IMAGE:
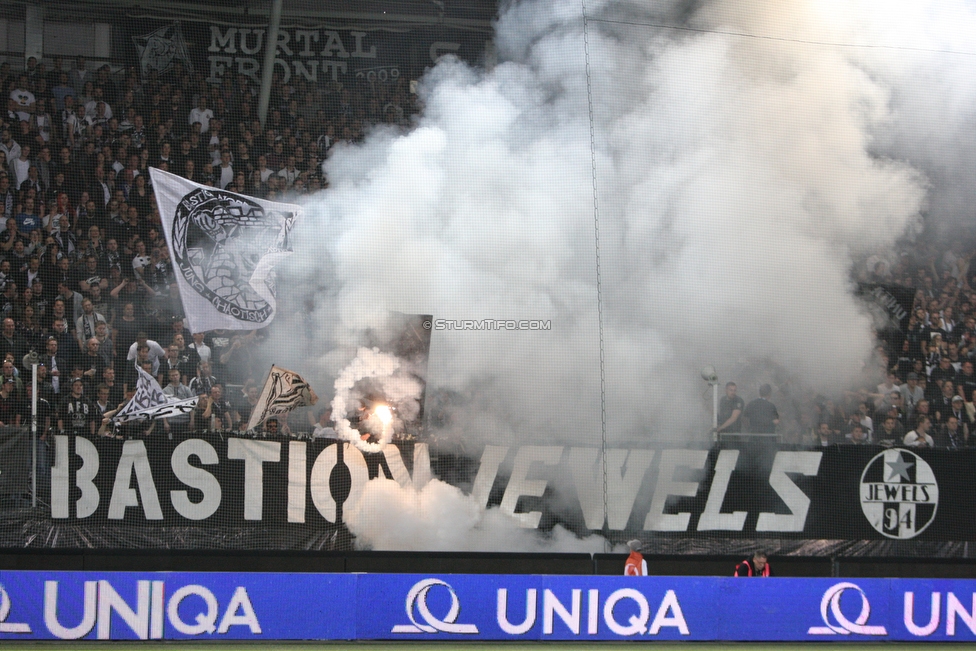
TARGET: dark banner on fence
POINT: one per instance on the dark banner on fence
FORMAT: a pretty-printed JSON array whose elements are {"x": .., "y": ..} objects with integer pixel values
[
  {"x": 15, "y": 460},
  {"x": 211, "y": 491}
]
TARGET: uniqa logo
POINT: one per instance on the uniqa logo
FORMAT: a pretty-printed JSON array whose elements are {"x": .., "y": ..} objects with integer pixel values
[
  {"x": 417, "y": 601},
  {"x": 844, "y": 626},
  {"x": 146, "y": 617},
  {"x": 5, "y": 626}
]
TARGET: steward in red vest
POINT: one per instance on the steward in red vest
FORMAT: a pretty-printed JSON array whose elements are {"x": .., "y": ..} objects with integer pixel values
[
  {"x": 636, "y": 565},
  {"x": 757, "y": 566}
]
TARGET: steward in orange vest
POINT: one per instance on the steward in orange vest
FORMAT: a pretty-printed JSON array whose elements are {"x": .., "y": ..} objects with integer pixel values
[
  {"x": 636, "y": 565},
  {"x": 758, "y": 566}
]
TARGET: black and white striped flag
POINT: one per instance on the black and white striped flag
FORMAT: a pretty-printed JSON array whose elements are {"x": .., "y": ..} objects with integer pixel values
[
  {"x": 283, "y": 391},
  {"x": 149, "y": 402}
]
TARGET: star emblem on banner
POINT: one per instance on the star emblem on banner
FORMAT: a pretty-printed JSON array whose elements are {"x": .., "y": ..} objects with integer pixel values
[{"x": 899, "y": 469}]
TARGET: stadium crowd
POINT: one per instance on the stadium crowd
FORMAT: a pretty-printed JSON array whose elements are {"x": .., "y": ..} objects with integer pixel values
[
  {"x": 86, "y": 279},
  {"x": 918, "y": 388}
]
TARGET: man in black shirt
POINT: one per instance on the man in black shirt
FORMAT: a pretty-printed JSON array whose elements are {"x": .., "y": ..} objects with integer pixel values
[
  {"x": 858, "y": 435},
  {"x": 891, "y": 432},
  {"x": 11, "y": 341},
  {"x": 7, "y": 197},
  {"x": 966, "y": 380},
  {"x": 944, "y": 371},
  {"x": 954, "y": 435},
  {"x": 761, "y": 413},
  {"x": 729, "y": 411},
  {"x": 92, "y": 363},
  {"x": 45, "y": 388},
  {"x": 115, "y": 394},
  {"x": 942, "y": 404},
  {"x": 9, "y": 404},
  {"x": 215, "y": 406},
  {"x": 76, "y": 415}
]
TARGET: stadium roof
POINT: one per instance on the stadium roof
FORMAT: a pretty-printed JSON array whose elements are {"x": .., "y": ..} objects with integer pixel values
[{"x": 476, "y": 14}]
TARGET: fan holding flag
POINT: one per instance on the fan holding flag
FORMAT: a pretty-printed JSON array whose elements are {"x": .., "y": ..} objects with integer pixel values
[
  {"x": 283, "y": 392},
  {"x": 150, "y": 402}
]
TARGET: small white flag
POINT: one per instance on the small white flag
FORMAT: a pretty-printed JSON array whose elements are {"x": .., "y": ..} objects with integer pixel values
[
  {"x": 224, "y": 248},
  {"x": 283, "y": 391},
  {"x": 149, "y": 402}
]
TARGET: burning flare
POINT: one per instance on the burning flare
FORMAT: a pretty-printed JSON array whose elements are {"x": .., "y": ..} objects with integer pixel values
[{"x": 385, "y": 414}]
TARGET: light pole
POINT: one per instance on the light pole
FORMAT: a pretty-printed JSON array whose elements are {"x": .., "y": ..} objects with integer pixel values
[
  {"x": 267, "y": 71},
  {"x": 710, "y": 375},
  {"x": 32, "y": 359}
]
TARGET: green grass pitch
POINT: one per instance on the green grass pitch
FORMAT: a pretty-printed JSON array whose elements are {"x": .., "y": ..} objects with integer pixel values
[{"x": 472, "y": 646}]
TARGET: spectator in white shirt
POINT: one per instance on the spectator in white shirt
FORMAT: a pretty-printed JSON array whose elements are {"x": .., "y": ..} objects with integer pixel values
[
  {"x": 20, "y": 166},
  {"x": 920, "y": 437},
  {"x": 156, "y": 351},
  {"x": 21, "y": 100},
  {"x": 226, "y": 175},
  {"x": 289, "y": 172},
  {"x": 203, "y": 350},
  {"x": 201, "y": 114}
]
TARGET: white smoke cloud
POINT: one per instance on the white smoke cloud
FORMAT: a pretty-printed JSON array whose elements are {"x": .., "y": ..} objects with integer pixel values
[
  {"x": 738, "y": 179},
  {"x": 439, "y": 517}
]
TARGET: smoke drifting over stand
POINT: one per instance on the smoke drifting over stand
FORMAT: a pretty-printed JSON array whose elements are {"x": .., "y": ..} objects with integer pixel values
[{"x": 747, "y": 155}]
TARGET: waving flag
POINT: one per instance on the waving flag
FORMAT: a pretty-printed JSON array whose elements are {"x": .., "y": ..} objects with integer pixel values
[
  {"x": 224, "y": 248},
  {"x": 149, "y": 402},
  {"x": 283, "y": 391},
  {"x": 895, "y": 302},
  {"x": 161, "y": 49}
]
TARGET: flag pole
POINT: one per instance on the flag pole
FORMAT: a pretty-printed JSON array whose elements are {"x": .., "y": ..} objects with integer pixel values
[{"x": 34, "y": 431}]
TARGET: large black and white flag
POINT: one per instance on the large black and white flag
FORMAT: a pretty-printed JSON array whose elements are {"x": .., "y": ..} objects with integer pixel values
[
  {"x": 892, "y": 301},
  {"x": 283, "y": 391},
  {"x": 149, "y": 402},
  {"x": 160, "y": 49},
  {"x": 224, "y": 248}
]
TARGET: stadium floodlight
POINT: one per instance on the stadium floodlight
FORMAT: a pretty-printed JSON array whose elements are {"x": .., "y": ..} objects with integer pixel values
[{"x": 710, "y": 375}]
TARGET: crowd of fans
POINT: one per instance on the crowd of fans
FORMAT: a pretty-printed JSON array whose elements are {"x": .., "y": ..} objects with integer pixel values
[
  {"x": 86, "y": 279},
  {"x": 917, "y": 390}
]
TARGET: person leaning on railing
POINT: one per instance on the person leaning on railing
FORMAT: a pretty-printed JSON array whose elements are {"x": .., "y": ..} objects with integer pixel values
[{"x": 757, "y": 566}]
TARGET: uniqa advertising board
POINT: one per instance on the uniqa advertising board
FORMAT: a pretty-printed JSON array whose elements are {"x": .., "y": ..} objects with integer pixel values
[{"x": 221, "y": 606}]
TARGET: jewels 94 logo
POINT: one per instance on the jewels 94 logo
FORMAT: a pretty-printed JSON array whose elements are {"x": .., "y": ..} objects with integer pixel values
[
  {"x": 899, "y": 494},
  {"x": 417, "y": 605},
  {"x": 836, "y": 622}
]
